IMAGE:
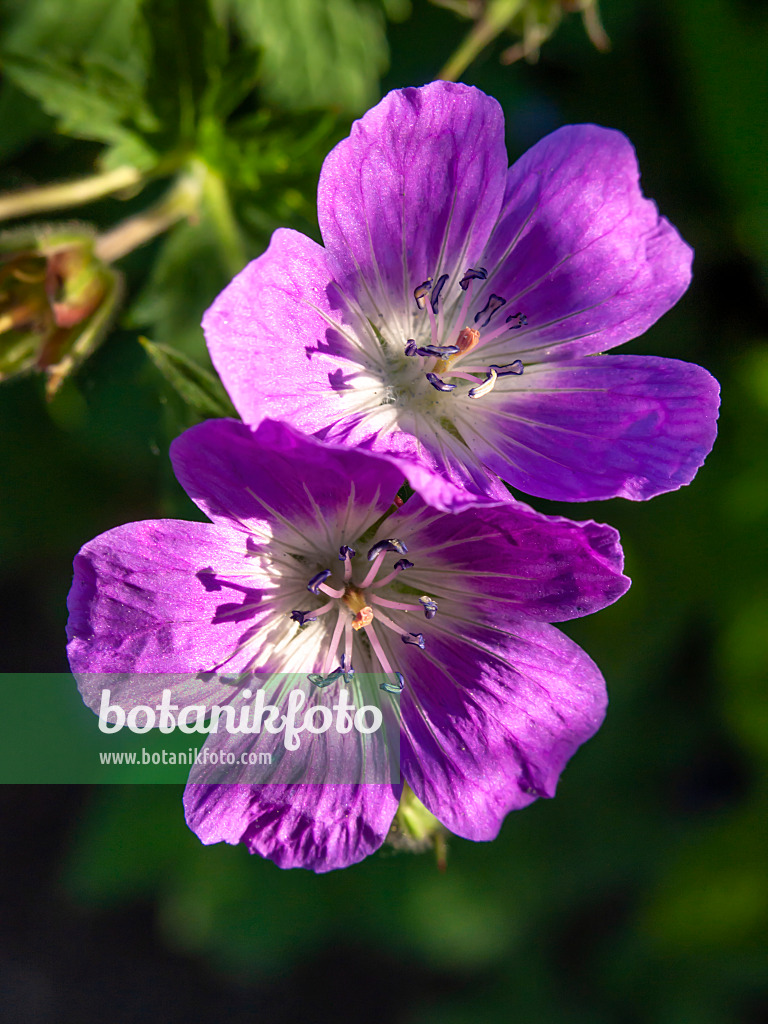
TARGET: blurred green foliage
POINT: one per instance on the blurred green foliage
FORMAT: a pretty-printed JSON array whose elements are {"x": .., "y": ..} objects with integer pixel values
[{"x": 640, "y": 894}]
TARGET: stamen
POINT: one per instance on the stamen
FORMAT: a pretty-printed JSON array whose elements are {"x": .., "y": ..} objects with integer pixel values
[
  {"x": 378, "y": 650},
  {"x": 401, "y": 606},
  {"x": 363, "y": 618},
  {"x": 303, "y": 618},
  {"x": 430, "y": 606},
  {"x": 394, "y": 687},
  {"x": 338, "y": 629},
  {"x": 441, "y": 351},
  {"x": 348, "y": 641},
  {"x": 485, "y": 387},
  {"x": 391, "y": 544},
  {"x": 410, "y": 348},
  {"x": 346, "y": 667},
  {"x": 494, "y": 303},
  {"x": 436, "y": 291},
  {"x": 439, "y": 385},
  {"x": 521, "y": 318},
  {"x": 320, "y": 680},
  {"x": 421, "y": 292},
  {"x": 314, "y": 584},
  {"x": 345, "y": 551},
  {"x": 417, "y": 639},
  {"x": 403, "y": 563},
  {"x": 473, "y": 275},
  {"x": 511, "y": 369}
]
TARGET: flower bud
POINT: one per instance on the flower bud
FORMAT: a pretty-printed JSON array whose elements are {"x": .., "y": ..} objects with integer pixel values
[{"x": 56, "y": 298}]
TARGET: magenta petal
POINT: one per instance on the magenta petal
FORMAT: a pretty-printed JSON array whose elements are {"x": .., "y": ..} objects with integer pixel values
[
  {"x": 415, "y": 189},
  {"x": 511, "y": 560},
  {"x": 163, "y": 596},
  {"x": 278, "y": 336},
  {"x": 579, "y": 248},
  {"x": 306, "y": 826},
  {"x": 600, "y": 427},
  {"x": 246, "y": 478},
  {"x": 491, "y": 717}
]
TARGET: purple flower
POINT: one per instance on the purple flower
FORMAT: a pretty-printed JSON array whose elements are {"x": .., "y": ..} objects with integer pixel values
[
  {"x": 301, "y": 570},
  {"x": 453, "y": 318}
]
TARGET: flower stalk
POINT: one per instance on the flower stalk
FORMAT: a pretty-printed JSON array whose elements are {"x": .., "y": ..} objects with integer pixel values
[{"x": 27, "y": 202}]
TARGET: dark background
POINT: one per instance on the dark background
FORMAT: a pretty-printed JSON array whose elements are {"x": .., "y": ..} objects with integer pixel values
[{"x": 640, "y": 894}]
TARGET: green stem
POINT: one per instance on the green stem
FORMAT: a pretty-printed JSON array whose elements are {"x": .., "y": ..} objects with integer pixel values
[
  {"x": 183, "y": 200},
  {"x": 27, "y": 201},
  {"x": 219, "y": 209},
  {"x": 494, "y": 20}
]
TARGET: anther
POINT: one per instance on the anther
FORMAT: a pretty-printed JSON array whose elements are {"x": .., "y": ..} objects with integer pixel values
[
  {"x": 417, "y": 639},
  {"x": 430, "y": 606},
  {"x": 410, "y": 347},
  {"x": 436, "y": 291},
  {"x": 441, "y": 351},
  {"x": 421, "y": 292},
  {"x": 472, "y": 275},
  {"x": 314, "y": 584},
  {"x": 394, "y": 687},
  {"x": 511, "y": 369},
  {"x": 346, "y": 668},
  {"x": 495, "y": 302},
  {"x": 303, "y": 618},
  {"x": 346, "y": 551},
  {"x": 439, "y": 385},
  {"x": 403, "y": 563},
  {"x": 392, "y": 544},
  {"x": 522, "y": 321},
  {"x": 485, "y": 387},
  {"x": 320, "y": 680}
]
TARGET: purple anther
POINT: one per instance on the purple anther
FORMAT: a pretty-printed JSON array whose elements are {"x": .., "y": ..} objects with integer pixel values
[
  {"x": 509, "y": 370},
  {"x": 422, "y": 291},
  {"x": 410, "y": 347},
  {"x": 522, "y": 321},
  {"x": 436, "y": 291},
  {"x": 472, "y": 275},
  {"x": 495, "y": 302},
  {"x": 303, "y": 617},
  {"x": 441, "y": 351},
  {"x": 430, "y": 606},
  {"x": 403, "y": 563},
  {"x": 439, "y": 385},
  {"x": 314, "y": 584},
  {"x": 392, "y": 544},
  {"x": 346, "y": 551},
  {"x": 417, "y": 639},
  {"x": 346, "y": 669},
  {"x": 394, "y": 687}
]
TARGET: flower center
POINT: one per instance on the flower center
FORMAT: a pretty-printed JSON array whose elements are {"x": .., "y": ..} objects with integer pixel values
[
  {"x": 359, "y": 603},
  {"x": 438, "y": 361}
]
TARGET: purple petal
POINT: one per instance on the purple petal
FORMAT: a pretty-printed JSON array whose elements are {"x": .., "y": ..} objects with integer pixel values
[
  {"x": 491, "y": 718},
  {"x": 280, "y": 336},
  {"x": 599, "y": 427},
  {"x": 591, "y": 263},
  {"x": 223, "y": 466},
  {"x": 307, "y": 826},
  {"x": 415, "y": 189},
  {"x": 511, "y": 560},
  {"x": 163, "y": 596}
]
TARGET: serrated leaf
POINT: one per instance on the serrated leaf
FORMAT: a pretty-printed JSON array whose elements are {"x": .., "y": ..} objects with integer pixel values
[
  {"x": 316, "y": 55},
  {"x": 200, "y": 390}
]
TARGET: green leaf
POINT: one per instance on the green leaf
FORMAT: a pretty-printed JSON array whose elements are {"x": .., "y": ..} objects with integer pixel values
[
  {"x": 89, "y": 71},
  {"x": 316, "y": 55},
  {"x": 200, "y": 390}
]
